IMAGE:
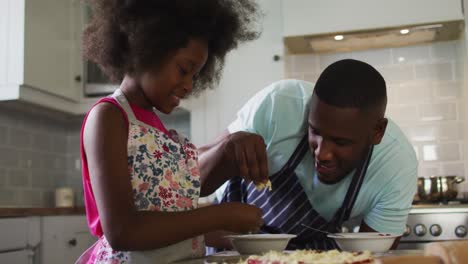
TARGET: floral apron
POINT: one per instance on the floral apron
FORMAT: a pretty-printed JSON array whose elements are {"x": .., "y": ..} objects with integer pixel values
[{"x": 165, "y": 177}]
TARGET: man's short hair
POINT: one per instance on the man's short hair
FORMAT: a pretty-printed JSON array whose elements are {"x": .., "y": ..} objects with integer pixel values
[{"x": 351, "y": 83}]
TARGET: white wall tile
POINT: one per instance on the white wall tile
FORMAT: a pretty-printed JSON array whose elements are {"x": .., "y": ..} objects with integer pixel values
[
  {"x": 444, "y": 50},
  {"x": 435, "y": 72},
  {"x": 428, "y": 170},
  {"x": 20, "y": 138},
  {"x": 392, "y": 94},
  {"x": 439, "y": 132},
  {"x": 311, "y": 77},
  {"x": 397, "y": 73},
  {"x": 421, "y": 133},
  {"x": 403, "y": 113},
  {"x": 457, "y": 169},
  {"x": 441, "y": 152},
  {"x": 411, "y": 54},
  {"x": 305, "y": 63},
  {"x": 416, "y": 151},
  {"x": 450, "y": 131},
  {"x": 294, "y": 75},
  {"x": 458, "y": 70},
  {"x": 375, "y": 57},
  {"x": 448, "y": 90},
  {"x": 438, "y": 112},
  {"x": 424, "y": 97},
  {"x": 327, "y": 59},
  {"x": 288, "y": 63},
  {"x": 9, "y": 157},
  {"x": 414, "y": 92}
]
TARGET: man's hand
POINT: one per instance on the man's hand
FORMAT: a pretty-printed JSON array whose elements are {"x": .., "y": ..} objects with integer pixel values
[
  {"x": 248, "y": 152},
  {"x": 230, "y": 155}
]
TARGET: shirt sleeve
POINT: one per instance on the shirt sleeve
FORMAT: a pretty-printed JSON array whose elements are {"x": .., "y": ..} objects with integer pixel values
[
  {"x": 256, "y": 116},
  {"x": 390, "y": 213}
]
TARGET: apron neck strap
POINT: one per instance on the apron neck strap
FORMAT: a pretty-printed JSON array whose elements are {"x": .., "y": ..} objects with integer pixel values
[
  {"x": 297, "y": 156},
  {"x": 344, "y": 212}
]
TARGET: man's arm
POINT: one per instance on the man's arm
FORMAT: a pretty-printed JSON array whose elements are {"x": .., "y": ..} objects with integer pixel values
[
  {"x": 365, "y": 228},
  {"x": 238, "y": 154}
]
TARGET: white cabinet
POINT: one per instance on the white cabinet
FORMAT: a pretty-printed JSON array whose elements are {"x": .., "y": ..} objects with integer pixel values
[
  {"x": 16, "y": 257},
  {"x": 19, "y": 239},
  {"x": 40, "y": 58},
  {"x": 248, "y": 69},
  {"x": 64, "y": 238},
  {"x": 317, "y": 17}
]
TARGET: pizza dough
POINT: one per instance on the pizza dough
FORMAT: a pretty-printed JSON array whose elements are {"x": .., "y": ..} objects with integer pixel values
[{"x": 311, "y": 256}]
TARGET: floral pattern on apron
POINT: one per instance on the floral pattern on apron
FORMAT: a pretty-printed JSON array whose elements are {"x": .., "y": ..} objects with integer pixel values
[{"x": 165, "y": 177}]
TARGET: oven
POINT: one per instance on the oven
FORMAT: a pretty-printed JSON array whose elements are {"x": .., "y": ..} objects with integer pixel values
[{"x": 434, "y": 222}]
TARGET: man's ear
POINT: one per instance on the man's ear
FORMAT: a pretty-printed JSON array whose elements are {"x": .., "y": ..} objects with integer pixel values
[{"x": 379, "y": 131}]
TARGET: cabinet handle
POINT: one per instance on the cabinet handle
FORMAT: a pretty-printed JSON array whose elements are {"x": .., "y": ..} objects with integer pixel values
[
  {"x": 78, "y": 78},
  {"x": 276, "y": 57},
  {"x": 72, "y": 242}
]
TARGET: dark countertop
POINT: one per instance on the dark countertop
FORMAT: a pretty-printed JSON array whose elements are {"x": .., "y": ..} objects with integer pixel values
[{"x": 48, "y": 211}]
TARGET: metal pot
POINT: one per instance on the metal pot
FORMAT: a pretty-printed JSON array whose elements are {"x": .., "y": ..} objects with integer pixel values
[{"x": 438, "y": 188}]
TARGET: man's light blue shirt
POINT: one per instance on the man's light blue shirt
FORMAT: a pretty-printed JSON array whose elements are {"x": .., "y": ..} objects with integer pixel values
[{"x": 279, "y": 114}]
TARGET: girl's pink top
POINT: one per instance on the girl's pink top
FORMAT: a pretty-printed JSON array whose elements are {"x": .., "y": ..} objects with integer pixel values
[{"x": 146, "y": 116}]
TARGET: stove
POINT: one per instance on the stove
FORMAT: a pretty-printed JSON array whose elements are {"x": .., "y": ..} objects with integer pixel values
[{"x": 435, "y": 222}]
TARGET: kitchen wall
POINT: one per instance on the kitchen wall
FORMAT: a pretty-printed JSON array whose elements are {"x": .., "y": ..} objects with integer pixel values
[
  {"x": 36, "y": 155},
  {"x": 424, "y": 97},
  {"x": 39, "y": 151}
]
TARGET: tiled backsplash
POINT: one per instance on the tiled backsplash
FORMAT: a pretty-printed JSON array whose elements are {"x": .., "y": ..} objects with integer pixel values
[
  {"x": 35, "y": 156},
  {"x": 424, "y": 97},
  {"x": 40, "y": 151}
]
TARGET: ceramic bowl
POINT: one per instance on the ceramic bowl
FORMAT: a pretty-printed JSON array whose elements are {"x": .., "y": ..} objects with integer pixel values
[
  {"x": 254, "y": 244},
  {"x": 374, "y": 242}
]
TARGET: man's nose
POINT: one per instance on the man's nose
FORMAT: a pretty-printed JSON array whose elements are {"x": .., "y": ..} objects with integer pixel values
[{"x": 323, "y": 151}]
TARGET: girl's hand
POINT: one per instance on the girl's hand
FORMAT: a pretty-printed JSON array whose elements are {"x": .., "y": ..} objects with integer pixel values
[
  {"x": 241, "y": 218},
  {"x": 248, "y": 152}
]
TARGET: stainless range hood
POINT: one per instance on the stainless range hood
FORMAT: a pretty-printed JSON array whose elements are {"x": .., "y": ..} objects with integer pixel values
[{"x": 371, "y": 39}]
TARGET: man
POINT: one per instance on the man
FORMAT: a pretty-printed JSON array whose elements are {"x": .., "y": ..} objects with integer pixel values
[{"x": 329, "y": 152}]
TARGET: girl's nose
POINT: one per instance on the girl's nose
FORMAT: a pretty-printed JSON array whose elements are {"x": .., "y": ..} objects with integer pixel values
[{"x": 188, "y": 86}]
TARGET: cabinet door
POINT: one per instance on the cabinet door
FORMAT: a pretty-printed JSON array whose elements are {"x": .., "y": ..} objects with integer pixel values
[
  {"x": 65, "y": 238},
  {"x": 248, "y": 69},
  {"x": 50, "y": 46},
  {"x": 77, "y": 243},
  {"x": 16, "y": 257},
  {"x": 14, "y": 235}
]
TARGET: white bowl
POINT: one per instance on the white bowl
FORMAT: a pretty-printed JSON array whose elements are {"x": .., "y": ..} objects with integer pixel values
[
  {"x": 374, "y": 242},
  {"x": 259, "y": 243}
]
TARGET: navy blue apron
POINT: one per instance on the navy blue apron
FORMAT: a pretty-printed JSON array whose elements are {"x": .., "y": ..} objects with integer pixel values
[{"x": 287, "y": 207}]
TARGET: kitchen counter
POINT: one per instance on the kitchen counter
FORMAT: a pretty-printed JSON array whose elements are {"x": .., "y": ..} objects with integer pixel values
[
  {"x": 234, "y": 257},
  {"x": 49, "y": 211}
]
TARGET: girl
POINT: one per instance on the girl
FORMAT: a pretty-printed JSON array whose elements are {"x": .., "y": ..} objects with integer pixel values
[{"x": 141, "y": 181}]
